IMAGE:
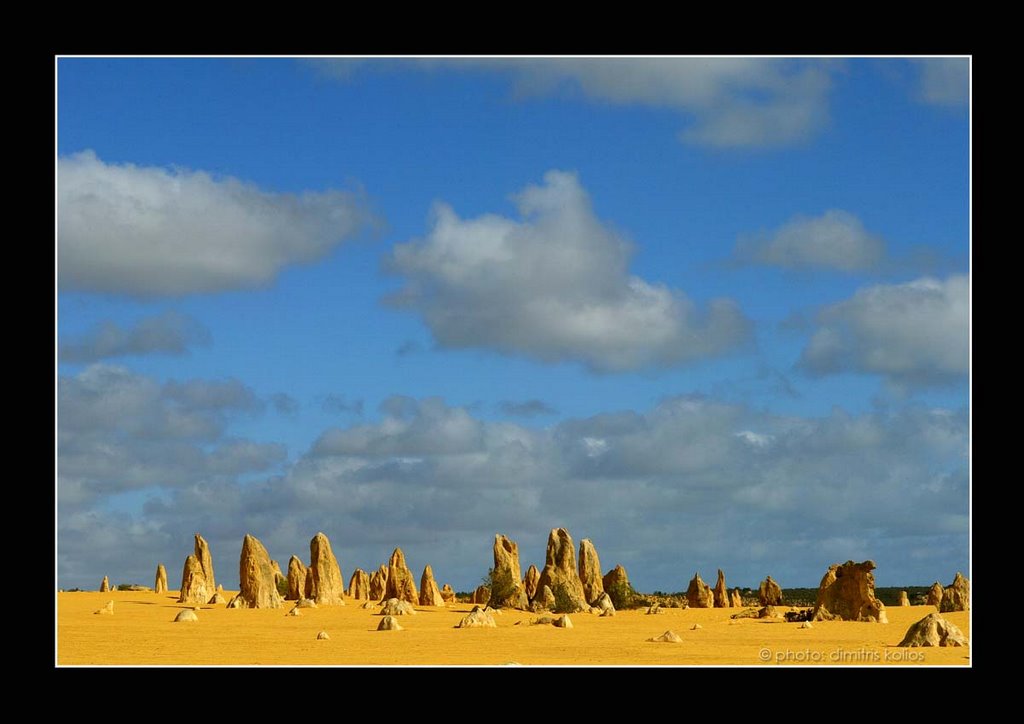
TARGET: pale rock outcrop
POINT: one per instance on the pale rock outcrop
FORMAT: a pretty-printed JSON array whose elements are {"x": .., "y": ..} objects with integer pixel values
[
  {"x": 935, "y": 595},
  {"x": 848, "y": 594},
  {"x": 328, "y": 584},
  {"x": 608, "y": 612},
  {"x": 294, "y": 612},
  {"x": 563, "y": 621},
  {"x": 806, "y": 624},
  {"x": 297, "y": 573},
  {"x": 379, "y": 583},
  {"x": 769, "y": 593},
  {"x": 654, "y": 608},
  {"x": 104, "y": 585},
  {"x": 107, "y": 610},
  {"x": 530, "y": 582},
  {"x": 507, "y": 574},
  {"x": 323, "y": 636},
  {"x": 257, "y": 584},
  {"x": 186, "y": 615},
  {"x": 482, "y": 594},
  {"x": 160, "y": 585},
  {"x": 202, "y": 552},
  {"x": 478, "y": 618},
  {"x": 590, "y": 571},
  {"x": 429, "y": 594},
  {"x": 368, "y": 605},
  {"x": 447, "y": 593},
  {"x": 933, "y": 630},
  {"x": 669, "y": 637},
  {"x": 735, "y": 600},
  {"x": 957, "y": 595},
  {"x": 359, "y": 585},
  {"x": 400, "y": 583},
  {"x": 193, "y": 582},
  {"x": 720, "y": 594},
  {"x": 279, "y": 577},
  {"x": 904, "y": 599},
  {"x": 604, "y": 603},
  {"x": 389, "y": 623},
  {"x": 217, "y": 598},
  {"x": 698, "y": 594},
  {"x": 560, "y": 573},
  {"x": 397, "y": 607},
  {"x": 696, "y": 627},
  {"x": 615, "y": 578},
  {"x": 545, "y": 599},
  {"x": 305, "y": 603},
  {"x": 236, "y": 601}
]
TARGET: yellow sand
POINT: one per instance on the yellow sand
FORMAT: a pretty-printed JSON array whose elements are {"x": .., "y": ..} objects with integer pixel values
[{"x": 141, "y": 632}]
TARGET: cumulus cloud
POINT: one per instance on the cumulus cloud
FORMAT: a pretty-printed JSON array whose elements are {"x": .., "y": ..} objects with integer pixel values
[
  {"x": 692, "y": 483},
  {"x": 526, "y": 408},
  {"x": 169, "y": 333},
  {"x": 151, "y": 231},
  {"x": 913, "y": 334},
  {"x": 835, "y": 240},
  {"x": 728, "y": 102},
  {"x": 945, "y": 81},
  {"x": 554, "y": 286}
]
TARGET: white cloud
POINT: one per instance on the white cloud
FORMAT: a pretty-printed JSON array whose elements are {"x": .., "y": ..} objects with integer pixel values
[
  {"x": 151, "y": 231},
  {"x": 729, "y": 102},
  {"x": 945, "y": 81},
  {"x": 835, "y": 240},
  {"x": 554, "y": 286},
  {"x": 913, "y": 334}
]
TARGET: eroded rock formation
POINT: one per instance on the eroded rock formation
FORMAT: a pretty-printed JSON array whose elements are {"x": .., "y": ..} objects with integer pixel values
[
  {"x": 590, "y": 571},
  {"x": 257, "y": 581},
  {"x": 847, "y": 593},
  {"x": 328, "y": 586},
  {"x": 560, "y": 573},
  {"x": 429, "y": 593},
  {"x": 933, "y": 630},
  {"x": 698, "y": 594}
]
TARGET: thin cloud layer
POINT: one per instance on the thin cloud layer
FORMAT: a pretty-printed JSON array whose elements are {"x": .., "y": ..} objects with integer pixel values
[
  {"x": 152, "y": 231},
  {"x": 945, "y": 81},
  {"x": 728, "y": 102},
  {"x": 913, "y": 334},
  {"x": 554, "y": 286},
  {"x": 692, "y": 483},
  {"x": 119, "y": 431},
  {"x": 526, "y": 408},
  {"x": 835, "y": 240},
  {"x": 170, "y": 333}
]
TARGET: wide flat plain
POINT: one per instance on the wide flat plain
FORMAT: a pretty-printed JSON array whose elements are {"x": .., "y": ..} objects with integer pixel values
[{"x": 141, "y": 632}]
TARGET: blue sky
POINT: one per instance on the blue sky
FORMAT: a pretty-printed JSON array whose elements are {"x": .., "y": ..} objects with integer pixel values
[{"x": 705, "y": 312}]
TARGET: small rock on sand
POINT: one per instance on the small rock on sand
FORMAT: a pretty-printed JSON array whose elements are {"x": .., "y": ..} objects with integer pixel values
[
  {"x": 669, "y": 637},
  {"x": 186, "y": 615}
]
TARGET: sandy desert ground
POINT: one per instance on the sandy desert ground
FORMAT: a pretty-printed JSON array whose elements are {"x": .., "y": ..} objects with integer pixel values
[{"x": 142, "y": 632}]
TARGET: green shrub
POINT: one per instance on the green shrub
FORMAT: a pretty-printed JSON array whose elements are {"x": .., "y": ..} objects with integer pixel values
[
  {"x": 282, "y": 585},
  {"x": 564, "y": 602},
  {"x": 623, "y": 595},
  {"x": 502, "y": 586}
]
